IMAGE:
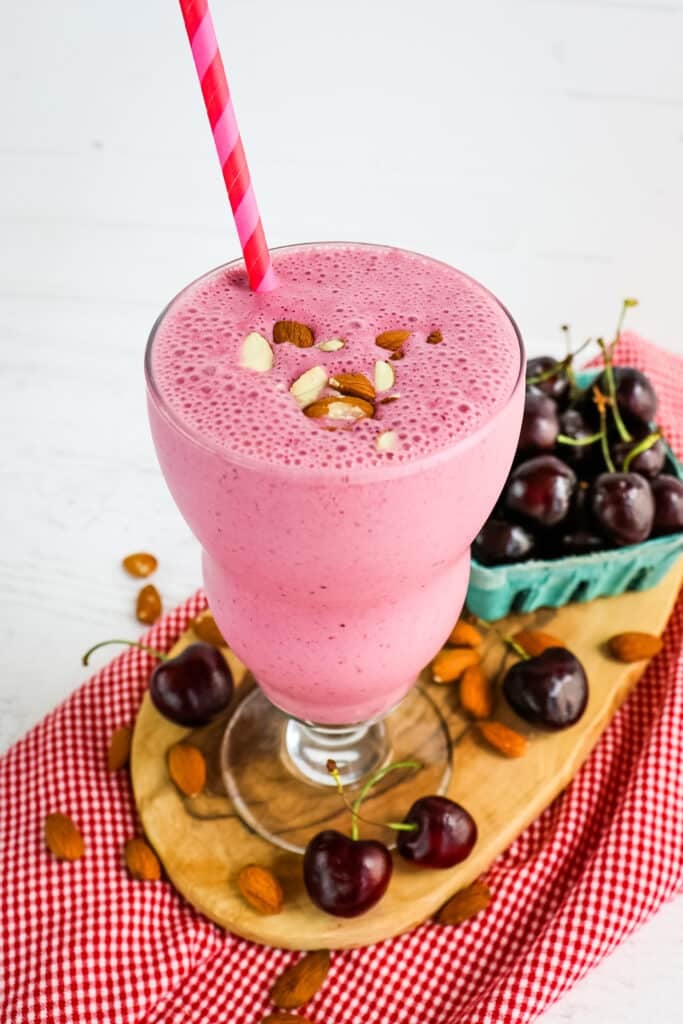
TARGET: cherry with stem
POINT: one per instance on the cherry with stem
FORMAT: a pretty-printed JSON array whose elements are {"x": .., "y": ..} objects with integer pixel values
[{"x": 356, "y": 816}]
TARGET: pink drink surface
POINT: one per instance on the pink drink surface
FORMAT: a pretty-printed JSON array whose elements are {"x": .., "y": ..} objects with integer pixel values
[{"x": 335, "y": 570}]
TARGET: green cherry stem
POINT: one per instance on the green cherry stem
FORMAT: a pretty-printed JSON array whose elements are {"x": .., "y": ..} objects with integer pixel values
[
  {"x": 356, "y": 816},
  {"x": 643, "y": 446},
  {"x": 578, "y": 443},
  {"x": 612, "y": 392},
  {"x": 514, "y": 646},
  {"x": 131, "y": 643},
  {"x": 625, "y": 306},
  {"x": 602, "y": 402}
]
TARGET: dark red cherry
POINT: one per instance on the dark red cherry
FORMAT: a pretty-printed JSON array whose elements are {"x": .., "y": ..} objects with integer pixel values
[
  {"x": 574, "y": 426},
  {"x": 193, "y": 687},
  {"x": 540, "y": 425},
  {"x": 540, "y": 490},
  {"x": 556, "y": 386},
  {"x": 550, "y": 690},
  {"x": 343, "y": 876},
  {"x": 623, "y": 506},
  {"x": 648, "y": 463},
  {"x": 500, "y": 542},
  {"x": 667, "y": 492},
  {"x": 635, "y": 394},
  {"x": 445, "y": 833}
]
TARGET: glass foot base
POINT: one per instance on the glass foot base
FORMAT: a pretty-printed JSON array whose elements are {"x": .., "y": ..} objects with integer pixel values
[{"x": 274, "y": 769}]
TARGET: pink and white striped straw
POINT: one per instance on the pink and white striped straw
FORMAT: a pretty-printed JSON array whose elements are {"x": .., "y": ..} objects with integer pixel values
[{"x": 209, "y": 65}]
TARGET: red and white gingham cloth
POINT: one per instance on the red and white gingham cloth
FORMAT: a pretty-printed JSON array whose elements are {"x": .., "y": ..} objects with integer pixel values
[{"x": 82, "y": 942}]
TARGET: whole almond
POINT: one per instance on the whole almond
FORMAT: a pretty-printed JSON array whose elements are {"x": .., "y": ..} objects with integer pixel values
[
  {"x": 141, "y": 861},
  {"x": 340, "y": 407},
  {"x": 261, "y": 889},
  {"x": 392, "y": 340},
  {"x": 464, "y": 634},
  {"x": 355, "y": 384},
  {"x": 148, "y": 605},
  {"x": 506, "y": 741},
  {"x": 187, "y": 768},
  {"x": 300, "y": 982},
  {"x": 62, "y": 838},
  {"x": 119, "y": 748},
  {"x": 476, "y": 697},
  {"x": 449, "y": 665},
  {"x": 434, "y": 337},
  {"x": 285, "y": 1018},
  {"x": 207, "y": 630},
  {"x": 534, "y": 641},
  {"x": 633, "y": 646},
  {"x": 140, "y": 564},
  {"x": 465, "y": 904},
  {"x": 293, "y": 332}
]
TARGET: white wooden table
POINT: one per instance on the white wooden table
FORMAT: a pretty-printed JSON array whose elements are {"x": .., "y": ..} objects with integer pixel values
[{"x": 538, "y": 145}]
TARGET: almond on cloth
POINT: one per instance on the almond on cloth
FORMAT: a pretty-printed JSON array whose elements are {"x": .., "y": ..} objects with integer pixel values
[
  {"x": 293, "y": 332},
  {"x": 148, "y": 605},
  {"x": 392, "y": 340},
  {"x": 62, "y": 838},
  {"x": 449, "y": 665},
  {"x": 465, "y": 904},
  {"x": 187, "y": 768},
  {"x": 141, "y": 861},
  {"x": 629, "y": 647},
  {"x": 119, "y": 748},
  {"x": 506, "y": 741},
  {"x": 476, "y": 696},
  {"x": 261, "y": 889},
  {"x": 285, "y": 1018},
  {"x": 464, "y": 634},
  {"x": 300, "y": 982},
  {"x": 140, "y": 564},
  {"x": 535, "y": 641},
  {"x": 206, "y": 628}
]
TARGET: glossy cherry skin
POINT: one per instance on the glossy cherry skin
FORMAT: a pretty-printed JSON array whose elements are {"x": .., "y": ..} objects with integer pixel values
[
  {"x": 623, "y": 506},
  {"x": 556, "y": 386},
  {"x": 540, "y": 490},
  {"x": 649, "y": 463},
  {"x": 193, "y": 687},
  {"x": 573, "y": 424},
  {"x": 343, "y": 876},
  {"x": 540, "y": 425},
  {"x": 635, "y": 394},
  {"x": 499, "y": 542},
  {"x": 667, "y": 492},
  {"x": 550, "y": 690},
  {"x": 445, "y": 833}
]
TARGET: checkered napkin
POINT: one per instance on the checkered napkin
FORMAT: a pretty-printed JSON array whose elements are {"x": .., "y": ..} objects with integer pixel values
[{"x": 82, "y": 942}]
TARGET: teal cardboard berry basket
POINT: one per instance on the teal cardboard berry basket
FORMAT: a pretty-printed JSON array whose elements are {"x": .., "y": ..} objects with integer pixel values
[{"x": 495, "y": 591}]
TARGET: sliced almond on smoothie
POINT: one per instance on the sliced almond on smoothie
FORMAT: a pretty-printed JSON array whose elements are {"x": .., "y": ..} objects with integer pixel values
[
  {"x": 309, "y": 386},
  {"x": 357, "y": 385},
  {"x": 386, "y": 441},
  {"x": 342, "y": 407},
  {"x": 293, "y": 332},
  {"x": 256, "y": 353},
  {"x": 333, "y": 345},
  {"x": 385, "y": 376},
  {"x": 434, "y": 337},
  {"x": 392, "y": 340}
]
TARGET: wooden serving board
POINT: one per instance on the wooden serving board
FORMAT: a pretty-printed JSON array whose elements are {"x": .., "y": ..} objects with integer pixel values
[{"x": 203, "y": 844}]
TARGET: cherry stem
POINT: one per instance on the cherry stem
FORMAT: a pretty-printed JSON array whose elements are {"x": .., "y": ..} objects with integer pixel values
[
  {"x": 611, "y": 387},
  {"x": 131, "y": 643},
  {"x": 578, "y": 442},
  {"x": 643, "y": 446},
  {"x": 625, "y": 306},
  {"x": 514, "y": 646},
  {"x": 373, "y": 780},
  {"x": 602, "y": 402}
]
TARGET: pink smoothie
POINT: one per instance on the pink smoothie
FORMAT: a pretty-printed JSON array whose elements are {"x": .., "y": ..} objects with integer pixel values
[{"x": 336, "y": 570}]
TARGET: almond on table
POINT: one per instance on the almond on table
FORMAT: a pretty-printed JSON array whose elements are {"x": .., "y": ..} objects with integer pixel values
[
  {"x": 450, "y": 663},
  {"x": 464, "y": 634},
  {"x": 148, "y": 605},
  {"x": 506, "y": 741},
  {"x": 140, "y": 564},
  {"x": 187, "y": 768},
  {"x": 206, "y": 628},
  {"x": 476, "y": 695},
  {"x": 535, "y": 641},
  {"x": 261, "y": 889},
  {"x": 465, "y": 904},
  {"x": 141, "y": 861},
  {"x": 630, "y": 647}
]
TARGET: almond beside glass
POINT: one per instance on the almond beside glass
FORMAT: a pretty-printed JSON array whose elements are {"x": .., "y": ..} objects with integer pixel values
[
  {"x": 476, "y": 696},
  {"x": 141, "y": 861},
  {"x": 535, "y": 641},
  {"x": 356, "y": 385},
  {"x": 294, "y": 332},
  {"x": 148, "y": 605},
  {"x": 187, "y": 768},
  {"x": 449, "y": 665},
  {"x": 309, "y": 386},
  {"x": 633, "y": 646},
  {"x": 119, "y": 748},
  {"x": 464, "y": 634},
  {"x": 140, "y": 564},
  {"x": 206, "y": 628},
  {"x": 256, "y": 353},
  {"x": 62, "y": 838},
  {"x": 300, "y": 982},
  {"x": 506, "y": 741},
  {"x": 261, "y": 889}
]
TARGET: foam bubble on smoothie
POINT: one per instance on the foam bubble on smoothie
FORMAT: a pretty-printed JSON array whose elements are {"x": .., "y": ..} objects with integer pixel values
[{"x": 446, "y": 390}]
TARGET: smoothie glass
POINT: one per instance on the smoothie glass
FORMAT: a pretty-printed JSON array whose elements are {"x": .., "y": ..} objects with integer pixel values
[{"x": 336, "y": 586}]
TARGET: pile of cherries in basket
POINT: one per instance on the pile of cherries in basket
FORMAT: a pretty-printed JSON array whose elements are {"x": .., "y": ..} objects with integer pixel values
[{"x": 591, "y": 469}]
